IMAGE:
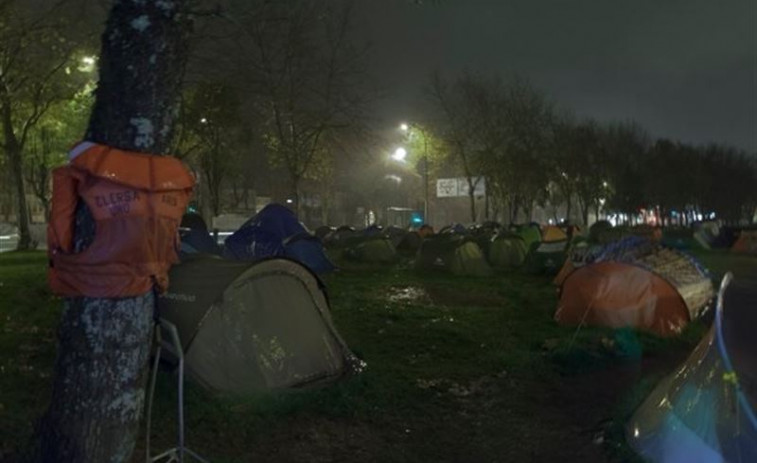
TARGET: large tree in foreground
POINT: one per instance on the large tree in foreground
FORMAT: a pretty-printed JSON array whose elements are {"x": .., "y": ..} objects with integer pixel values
[{"x": 100, "y": 372}]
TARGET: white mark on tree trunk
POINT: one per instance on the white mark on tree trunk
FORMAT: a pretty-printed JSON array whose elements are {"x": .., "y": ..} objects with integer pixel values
[
  {"x": 144, "y": 138},
  {"x": 140, "y": 23}
]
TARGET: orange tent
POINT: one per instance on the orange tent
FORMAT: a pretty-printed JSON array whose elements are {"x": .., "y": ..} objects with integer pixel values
[
  {"x": 616, "y": 295},
  {"x": 648, "y": 288},
  {"x": 746, "y": 243},
  {"x": 551, "y": 233}
]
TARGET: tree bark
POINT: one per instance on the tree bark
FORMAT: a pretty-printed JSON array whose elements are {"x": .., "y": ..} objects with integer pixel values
[
  {"x": 22, "y": 213},
  {"x": 13, "y": 149},
  {"x": 100, "y": 371}
]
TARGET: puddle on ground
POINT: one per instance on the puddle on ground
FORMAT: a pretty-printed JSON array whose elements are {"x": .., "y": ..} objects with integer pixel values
[
  {"x": 441, "y": 296},
  {"x": 408, "y": 294}
]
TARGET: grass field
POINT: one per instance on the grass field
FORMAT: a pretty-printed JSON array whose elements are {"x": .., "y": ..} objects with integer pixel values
[{"x": 459, "y": 370}]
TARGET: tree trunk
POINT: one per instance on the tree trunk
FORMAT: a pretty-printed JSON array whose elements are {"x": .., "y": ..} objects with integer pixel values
[
  {"x": 596, "y": 209},
  {"x": 22, "y": 208},
  {"x": 296, "y": 200},
  {"x": 472, "y": 197},
  {"x": 13, "y": 150},
  {"x": 100, "y": 371}
]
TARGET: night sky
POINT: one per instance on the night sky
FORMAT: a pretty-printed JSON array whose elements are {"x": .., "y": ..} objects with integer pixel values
[{"x": 684, "y": 69}]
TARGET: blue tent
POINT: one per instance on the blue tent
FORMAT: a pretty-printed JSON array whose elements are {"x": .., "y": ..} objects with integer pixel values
[
  {"x": 195, "y": 237},
  {"x": 275, "y": 232},
  {"x": 307, "y": 249},
  {"x": 195, "y": 241}
]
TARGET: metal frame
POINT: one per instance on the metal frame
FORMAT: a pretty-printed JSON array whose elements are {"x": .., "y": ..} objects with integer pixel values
[{"x": 173, "y": 346}]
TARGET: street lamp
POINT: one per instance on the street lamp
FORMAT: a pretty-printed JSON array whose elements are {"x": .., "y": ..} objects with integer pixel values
[
  {"x": 405, "y": 127},
  {"x": 87, "y": 64},
  {"x": 399, "y": 154}
]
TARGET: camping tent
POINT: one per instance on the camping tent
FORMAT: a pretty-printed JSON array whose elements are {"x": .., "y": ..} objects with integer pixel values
[
  {"x": 684, "y": 238},
  {"x": 275, "y": 231},
  {"x": 395, "y": 234},
  {"x": 452, "y": 253},
  {"x": 340, "y": 237},
  {"x": 483, "y": 234},
  {"x": 323, "y": 231},
  {"x": 635, "y": 284},
  {"x": 507, "y": 250},
  {"x": 410, "y": 243},
  {"x": 552, "y": 233},
  {"x": 370, "y": 249},
  {"x": 457, "y": 228},
  {"x": 531, "y": 235},
  {"x": 705, "y": 411},
  {"x": 194, "y": 236},
  {"x": 253, "y": 326},
  {"x": 597, "y": 229},
  {"x": 707, "y": 233},
  {"x": 549, "y": 255},
  {"x": 308, "y": 250},
  {"x": 425, "y": 230},
  {"x": 746, "y": 242}
]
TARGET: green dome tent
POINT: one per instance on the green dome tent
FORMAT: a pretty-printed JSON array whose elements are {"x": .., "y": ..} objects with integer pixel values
[
  {"x": 249, "y": 327},
  {"x": 531, "y": 235},
  {"x": 370, "y": 249},
  {"x": 452, "y": 253},
  {"x": 507, "y": 251}
]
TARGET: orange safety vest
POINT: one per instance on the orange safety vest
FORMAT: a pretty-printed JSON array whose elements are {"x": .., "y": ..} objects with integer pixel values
[{"x": 137, "y": 201}]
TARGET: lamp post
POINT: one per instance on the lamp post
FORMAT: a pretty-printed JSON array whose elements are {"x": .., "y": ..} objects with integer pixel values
[{"x": 404, "y": 127}]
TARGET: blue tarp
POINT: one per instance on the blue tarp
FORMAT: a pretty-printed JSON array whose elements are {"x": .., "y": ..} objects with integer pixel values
[{"x": 276, "y": 232}]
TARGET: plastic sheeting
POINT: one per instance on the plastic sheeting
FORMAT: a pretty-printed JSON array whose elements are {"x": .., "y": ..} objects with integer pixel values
[{"x": 704, "y": 412}]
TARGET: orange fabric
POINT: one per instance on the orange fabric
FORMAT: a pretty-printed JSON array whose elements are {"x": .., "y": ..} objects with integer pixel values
[
  {"x": 619, "y": 295},
  {"x": 746, "y": 243},
  {"x": 425, "y": 231},
  {"x": 137, "y": 201},
  {"x": 564, "y": 272},
  {"x": 552, "y": 233}
]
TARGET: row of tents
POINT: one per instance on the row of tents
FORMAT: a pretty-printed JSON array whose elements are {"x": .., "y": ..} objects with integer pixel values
[
  {"x": 474, "y": 250},
  {"x": 259, "y": 320}
]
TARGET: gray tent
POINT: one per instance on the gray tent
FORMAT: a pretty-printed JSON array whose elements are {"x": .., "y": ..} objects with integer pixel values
[{"x": 253, "y": 326}]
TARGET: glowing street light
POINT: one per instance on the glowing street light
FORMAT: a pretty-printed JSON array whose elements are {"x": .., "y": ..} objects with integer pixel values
[
  {"x": 399, "y": 154},
  {"x": 87, "y": 64},
  {"x": 404, "y": 127}
]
